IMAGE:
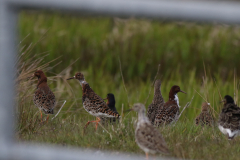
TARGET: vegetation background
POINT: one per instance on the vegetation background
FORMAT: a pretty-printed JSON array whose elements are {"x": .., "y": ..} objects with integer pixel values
[{"x": 122, "y": 56}]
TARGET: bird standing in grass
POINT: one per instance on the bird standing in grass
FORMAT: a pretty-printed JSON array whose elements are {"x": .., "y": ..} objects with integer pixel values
[
  {"x": 147, "y": 137},
  {"x": 229, "y": 118},
  {"x": 204, "y": 118},
  {"x": 170, "y": 111},
  {"x": 157, "y": 102},
  {"x": 93, "y": 103},
  {"x": 111, "y": 104},
  {"x": 43, "y": 97}
]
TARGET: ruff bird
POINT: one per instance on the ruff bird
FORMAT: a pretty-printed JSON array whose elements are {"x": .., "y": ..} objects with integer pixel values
[
  {"x": 147, "y": 136},
  {"x": 229, "y": 118},
  {"x": 170, "y": 111},
  {"x": 204, "y": 118},
  {"x": 43, "y": 97},
  {"x": 157, "y": 102},
  {"x": 93, "y": 103},
  {"x": 111, "y": 104}
]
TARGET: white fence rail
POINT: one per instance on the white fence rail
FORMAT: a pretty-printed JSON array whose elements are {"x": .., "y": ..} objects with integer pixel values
[{"x": 200, "y": 11}]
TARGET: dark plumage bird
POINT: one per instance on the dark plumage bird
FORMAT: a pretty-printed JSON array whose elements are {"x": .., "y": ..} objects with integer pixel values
[
  {"x": 111, "y": 104},
  {"x": 229, "y": 118},
  {"x": 157, "y": 102},
  {"x": 43, "y": 97},
  {"x": 170, "y": 111},
  {"x": 204, "y": 118},
  {"x": 93, "y": 103}
]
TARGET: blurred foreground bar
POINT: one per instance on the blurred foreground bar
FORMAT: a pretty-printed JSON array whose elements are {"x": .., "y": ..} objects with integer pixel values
[
  {"x": 51, "y": 152},
  {"x": 200, "y": 11}
]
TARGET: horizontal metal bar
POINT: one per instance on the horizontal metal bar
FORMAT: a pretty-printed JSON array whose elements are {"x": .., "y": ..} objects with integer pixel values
[
  {"x": 40, "y": 152},
  {"x": 202, "y": 11}
]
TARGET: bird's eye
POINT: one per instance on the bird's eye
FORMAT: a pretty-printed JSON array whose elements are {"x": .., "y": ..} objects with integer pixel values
[{"x": 78, "y": 75}]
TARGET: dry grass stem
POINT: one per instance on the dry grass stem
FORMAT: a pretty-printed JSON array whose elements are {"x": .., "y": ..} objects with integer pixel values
[
  {"x": 120, "y": 65},
  {"x": 59, "y": 109},
  {"x": 201, "y": 96},
  {"x": 188, "y": 104},
  {"x": 106, "y": 130}
]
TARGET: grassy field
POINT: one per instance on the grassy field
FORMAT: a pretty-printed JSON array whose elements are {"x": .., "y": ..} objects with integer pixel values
[{"x": 201, "y": 59}]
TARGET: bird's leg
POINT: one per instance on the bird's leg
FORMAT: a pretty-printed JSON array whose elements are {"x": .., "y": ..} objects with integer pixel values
[
  {"x": 47, "y": 118},
  {"x": 88, "y": 124},
  {"x": 97, "y": 121},
  {"x": 41, "y": 116},
  {"x": 146, "y": 156}
]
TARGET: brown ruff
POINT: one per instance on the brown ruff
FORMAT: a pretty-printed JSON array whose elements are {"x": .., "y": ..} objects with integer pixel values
[
  {"x": 170, "y": 110},
  {"x": 95, "y": 104},
  {"x": 43, "y": 97},
  {"x": 157, "y": 102},
  {"x": 204, "y": 118}
]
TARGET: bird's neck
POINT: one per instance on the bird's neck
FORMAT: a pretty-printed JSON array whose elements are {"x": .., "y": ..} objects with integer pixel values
[
  {"x": 41, "y": 81},
  {"x": 111, "y": 103},
  {"x": 81, "y": 82},
  {"x": 157, "y": 95},
  {"x": 86, "y": 88},
  {"x": 173, "y": 97},
  {"x": 141, "y": 116}
]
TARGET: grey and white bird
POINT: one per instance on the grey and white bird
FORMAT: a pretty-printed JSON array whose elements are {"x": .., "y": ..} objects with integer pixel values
[{"x": 147, "y": 136}]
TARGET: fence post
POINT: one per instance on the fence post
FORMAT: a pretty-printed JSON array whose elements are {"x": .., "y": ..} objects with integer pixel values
[{"x": 8, "y": 52}]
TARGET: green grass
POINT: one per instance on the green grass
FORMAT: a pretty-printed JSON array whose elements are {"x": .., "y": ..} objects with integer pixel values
[{"x": 141, "y": 45}]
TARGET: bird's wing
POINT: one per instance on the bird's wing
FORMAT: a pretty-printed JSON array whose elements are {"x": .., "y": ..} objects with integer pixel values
[
  {"x": 205, "y": 118},
  {"x": 44, "y": 99},
  {"x": 230, "y": 117},
  {"x": 95, "y": 103},
  {"x": 150, "y": 137},
  {"x": 167, "y": 114},
  {"x": 151, "y": 113}
]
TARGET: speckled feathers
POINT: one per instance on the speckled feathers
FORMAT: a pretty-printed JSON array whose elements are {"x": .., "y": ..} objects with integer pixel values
[
  {"x": 170, "y": 111},
  {"x": 229, "y": 118},
  {"x": 147, "y": 137},
  {"x": 157, "y": 102},
  {"x": 43, "y": 97},
  {"x": 204, "y": 118}
]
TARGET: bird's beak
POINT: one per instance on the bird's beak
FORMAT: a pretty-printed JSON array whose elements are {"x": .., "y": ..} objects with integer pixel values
[
  {"x": 128, "y": 110},
  {"x": 30, "y": 77},
  {"x": 105, "y": 99},
  {"x": 71, "y": 78},
  {"x": 221, "y": 101},
  {"x": 182, "y": 91}
]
